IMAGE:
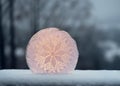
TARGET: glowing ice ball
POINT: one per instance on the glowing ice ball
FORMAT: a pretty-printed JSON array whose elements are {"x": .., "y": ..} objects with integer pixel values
[{"x": 52, "y": 51}]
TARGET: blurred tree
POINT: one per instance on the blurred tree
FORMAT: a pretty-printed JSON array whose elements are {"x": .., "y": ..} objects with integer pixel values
[
  {"x": 12, "y": 33},
  {"x": 2, "y": 55},
  {"x": 35, "y": 15},
  {"x": 70, "y": 14},
  {"x": 90, "y": 54},
  {"x": 37, "y": 6},
  {"x": 116, "y": 63}
]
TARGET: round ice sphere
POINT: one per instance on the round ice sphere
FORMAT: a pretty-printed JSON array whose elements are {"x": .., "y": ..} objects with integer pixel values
[{"x": 52, "y": 50}]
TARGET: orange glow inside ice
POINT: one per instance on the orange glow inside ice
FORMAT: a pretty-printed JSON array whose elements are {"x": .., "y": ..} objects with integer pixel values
[{"x": 52, "y": 51}]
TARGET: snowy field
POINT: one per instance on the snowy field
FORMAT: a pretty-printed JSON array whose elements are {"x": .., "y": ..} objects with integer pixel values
[{"x": 75, "y": 78}]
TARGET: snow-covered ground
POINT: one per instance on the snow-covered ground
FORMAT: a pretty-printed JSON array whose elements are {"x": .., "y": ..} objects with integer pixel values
[{"x": 75, "y": 78}]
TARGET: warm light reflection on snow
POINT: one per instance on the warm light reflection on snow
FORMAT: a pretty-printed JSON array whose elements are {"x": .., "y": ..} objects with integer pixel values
[{"x": 52, "y": 51}]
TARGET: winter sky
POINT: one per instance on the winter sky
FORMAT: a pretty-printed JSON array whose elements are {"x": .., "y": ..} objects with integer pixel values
[{"x": 106, "y": 11}]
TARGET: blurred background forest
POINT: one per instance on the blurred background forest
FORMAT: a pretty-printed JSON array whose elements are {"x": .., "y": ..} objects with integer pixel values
[{"x": 94, "y": 24}]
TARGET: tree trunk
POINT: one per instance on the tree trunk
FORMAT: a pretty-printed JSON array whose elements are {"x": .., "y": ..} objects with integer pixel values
[
  {"x": 12, "y": 33},
  {"x": 35, "y": 15},
  {"x": 2, "y": 55}
]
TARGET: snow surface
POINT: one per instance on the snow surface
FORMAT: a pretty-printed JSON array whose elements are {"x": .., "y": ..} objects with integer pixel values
[{"x": 75, "y": 78}]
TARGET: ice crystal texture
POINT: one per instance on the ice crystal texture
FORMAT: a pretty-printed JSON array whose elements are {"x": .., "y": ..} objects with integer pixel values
[{"x": 52, "y": 51}]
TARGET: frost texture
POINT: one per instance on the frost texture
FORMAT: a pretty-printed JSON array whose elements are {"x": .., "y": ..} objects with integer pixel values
[{"x": 52, "y": 51}]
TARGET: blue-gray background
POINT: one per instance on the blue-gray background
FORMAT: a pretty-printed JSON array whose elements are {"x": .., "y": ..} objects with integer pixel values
[{"x": 94, "y": 24}]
